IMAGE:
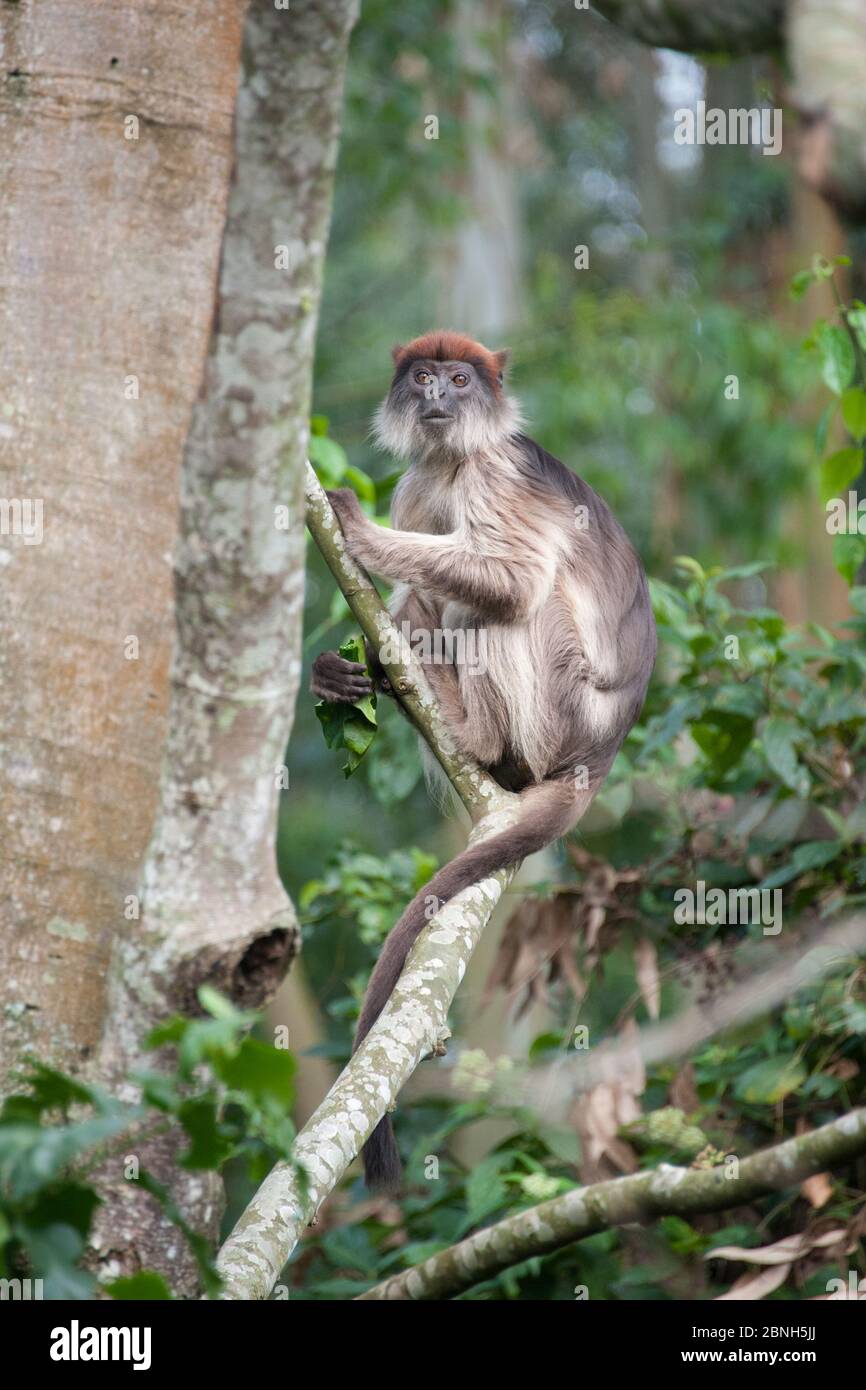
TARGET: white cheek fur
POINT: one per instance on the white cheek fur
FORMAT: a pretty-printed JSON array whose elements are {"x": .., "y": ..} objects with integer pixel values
[{"x": 478, "y": 429}]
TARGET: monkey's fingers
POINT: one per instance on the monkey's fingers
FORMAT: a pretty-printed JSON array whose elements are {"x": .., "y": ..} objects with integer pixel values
[
  {"x": 346, "y": 692},
  {"x": 339, "y": 681},
  {"x": 338, "y": 697}
]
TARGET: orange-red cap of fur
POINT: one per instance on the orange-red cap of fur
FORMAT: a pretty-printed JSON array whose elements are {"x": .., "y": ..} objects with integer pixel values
[{"x": 442, "y": 346}]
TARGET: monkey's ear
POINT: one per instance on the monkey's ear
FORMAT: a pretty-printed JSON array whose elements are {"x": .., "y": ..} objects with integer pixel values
[
  {"x": 501, "y": 360},
  {"x": 396, "y": 352}
]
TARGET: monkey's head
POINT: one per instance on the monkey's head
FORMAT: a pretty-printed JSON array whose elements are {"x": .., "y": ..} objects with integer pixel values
[{"x": 446, "y": 398}]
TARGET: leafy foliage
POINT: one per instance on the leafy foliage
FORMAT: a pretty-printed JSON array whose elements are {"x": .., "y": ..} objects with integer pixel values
[
  {"x": 841, "y": 352},
  {"x": 228, "y": 1093},
  {"x": 352, "y": 727}
]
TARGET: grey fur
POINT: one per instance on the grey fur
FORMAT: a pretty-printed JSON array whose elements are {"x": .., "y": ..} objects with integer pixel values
[{"x": 491, "y": 531}]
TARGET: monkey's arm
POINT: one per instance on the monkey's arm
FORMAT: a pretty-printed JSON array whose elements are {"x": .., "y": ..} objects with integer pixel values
[{"x": 507, "y": 587}]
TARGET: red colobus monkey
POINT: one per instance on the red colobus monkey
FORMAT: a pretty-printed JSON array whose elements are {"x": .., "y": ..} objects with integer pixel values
[{"x": 493, "y": 534}]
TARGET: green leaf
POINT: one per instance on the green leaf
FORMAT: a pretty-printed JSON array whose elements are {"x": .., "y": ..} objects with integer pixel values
[
  {"x": 385, "y": 486},
  {"x": 822, "y": 428},
  {"x": 663, "y": 729},
  {"x": 690, "y": 566},
  {"x": 839, "y": 471},
  {"x": 328, "y": 459},
  {"x": 211, "y": 1142},
  {"x": 33, "y": 1155},
  {"x": 854, "y": 411},
  {"x": 779, "y": 742},
  {"x": 836, "y": 353},
  {"x": 352, "y": 727},
  {"x": 361, "y": 482},
  {"x": 53, "y": 1090},
  {"x": 561, "y": 1141},
  {"x": 64, "y": 1203},
  {"x": 745, "y": 571},
  {"x": 394, "y": 767},
  {"x": 144, "y": 1287},
  {"x": 486, "y": 1190},
  {"x": 54, "y": 1252},
  {"x": 770, "y": 1081},
  {"x": 800, "y": 283},
  {"x": 261, "y": 1071},
  {"x": 723, "y": 738},
  {"x": 849, "y": 554},
  {"x": 218, "y": 1006},
  {"x": 812, "y": 855},
  {"x": 857, "y": 319}
]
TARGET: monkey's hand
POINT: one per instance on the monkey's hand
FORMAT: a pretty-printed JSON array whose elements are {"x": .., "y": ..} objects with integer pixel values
[
  {"x": 352, "y": 520},
  {"x": 364, "y": 539},
  {"x": 339, "y": 681}
]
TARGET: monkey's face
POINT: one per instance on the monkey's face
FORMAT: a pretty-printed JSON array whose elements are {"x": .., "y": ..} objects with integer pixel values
[{"x": 438, "y": 408}]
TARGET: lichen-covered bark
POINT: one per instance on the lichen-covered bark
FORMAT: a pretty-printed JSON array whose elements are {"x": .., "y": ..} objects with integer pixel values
[
  {"x": 407, "y": 1030},
  {"x": 414, "y": 1019},
  {"x": 699, "y": 26},
  {"x": 214, "y": 909},
  {"x": 827, "y": 52},
  {"x": 659, "y": 1191},
  {"x": 109, "y": 247}
]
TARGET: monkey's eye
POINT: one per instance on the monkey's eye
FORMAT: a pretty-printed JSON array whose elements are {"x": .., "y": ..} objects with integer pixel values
[
  {"x": 423, "y": 378},
  {"x": 461, "y": 379}
]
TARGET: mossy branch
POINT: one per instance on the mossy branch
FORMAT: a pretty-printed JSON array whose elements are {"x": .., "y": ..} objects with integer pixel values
[{"x": 661, "y": 1191}]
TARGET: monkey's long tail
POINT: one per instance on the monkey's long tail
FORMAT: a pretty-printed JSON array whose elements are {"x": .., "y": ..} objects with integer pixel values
[{"x": 551, "y": 808}]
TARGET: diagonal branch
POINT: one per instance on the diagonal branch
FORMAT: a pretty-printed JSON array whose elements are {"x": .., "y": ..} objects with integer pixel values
[
  {"x": 413, "y": 1023},
  {"x": 475, "y": 789},
  {"x": 657, "y": 1192}
]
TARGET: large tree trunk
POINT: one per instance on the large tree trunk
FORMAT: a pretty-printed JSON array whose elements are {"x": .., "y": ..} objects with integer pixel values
[
  {"x": 214, "y": 908},
  {"x": 110, "y": 248},
  {"x": 827, "y": 54},
  {"x": 116, "y": 245}
]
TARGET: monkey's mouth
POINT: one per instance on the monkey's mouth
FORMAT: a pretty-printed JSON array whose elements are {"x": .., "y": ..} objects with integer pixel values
[{"x": 435, "y": 417}]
